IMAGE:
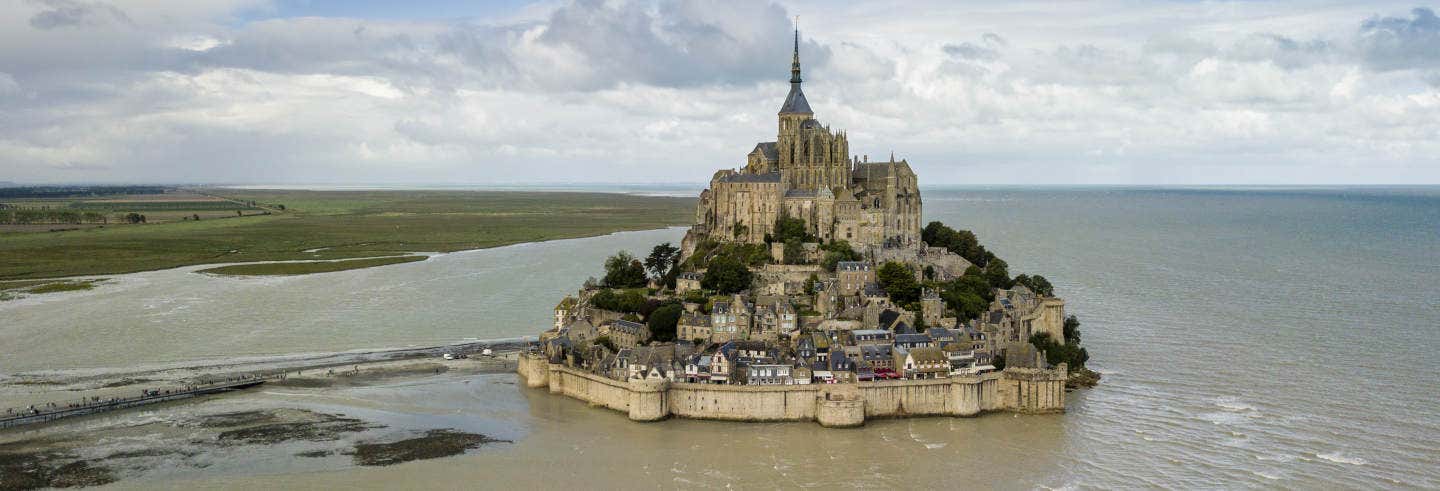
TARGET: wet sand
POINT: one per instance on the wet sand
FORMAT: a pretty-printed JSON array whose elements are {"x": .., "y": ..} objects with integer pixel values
[{"x": 316, "y": 419}]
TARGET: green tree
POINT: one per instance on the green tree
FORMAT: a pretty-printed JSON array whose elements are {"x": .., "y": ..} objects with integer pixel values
[
  {"x": 662, "y": 259},
  {"x": 899, "y": 281},
  {"x": 1037, "y": 284},
  {"x": 962, "y": 242},
  {"x": 794, "y": 253},
  {"x": 619, "y": 300},
  {"x": 838, "y": 251},
  {"x": 966, "y": 304},
  {"x": 810, "y": 284},
  {"x": 1071, "y": 329},
  {"x": 663, "y": 320},
  {"x": 997, "y": 273},
  {"x": 788, "y": 229},
  {"x": 969, "y": 295},
  {"x": 1042, "y": 286},
  {"x": 726, "y": 275},
  {"x": 1056, "y": 353},
  {"x": 624, "y": 271}
]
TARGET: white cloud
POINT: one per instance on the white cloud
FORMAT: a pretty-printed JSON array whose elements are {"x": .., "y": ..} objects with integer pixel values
[
  {"x": 8, "y": 85},
  {"x": 669, "y": 91}
]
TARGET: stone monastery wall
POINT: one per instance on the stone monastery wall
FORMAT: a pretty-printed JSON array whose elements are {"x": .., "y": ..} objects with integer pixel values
[{"x": 832, "y": 405}]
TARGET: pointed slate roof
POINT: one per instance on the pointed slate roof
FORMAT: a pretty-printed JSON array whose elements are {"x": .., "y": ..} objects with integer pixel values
[{"x": 795, "y": 102}]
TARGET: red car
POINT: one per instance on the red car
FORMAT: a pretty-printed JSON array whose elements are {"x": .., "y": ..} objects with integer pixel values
[{"x": 887, "y": 374}]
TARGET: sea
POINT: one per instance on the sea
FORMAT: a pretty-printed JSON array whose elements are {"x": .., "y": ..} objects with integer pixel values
[{"x": 1249, "y": 337}]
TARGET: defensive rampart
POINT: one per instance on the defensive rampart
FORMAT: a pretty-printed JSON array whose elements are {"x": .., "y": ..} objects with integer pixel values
[{"x": 832, "y": 405}]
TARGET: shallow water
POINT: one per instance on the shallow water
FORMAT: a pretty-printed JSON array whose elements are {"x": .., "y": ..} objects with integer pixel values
[
  {"x": 174, "y": 316},
  {"x": 1249, "y": 338}
]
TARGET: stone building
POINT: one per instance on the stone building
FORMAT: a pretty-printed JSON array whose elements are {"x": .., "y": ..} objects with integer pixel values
[
  {"x": 730, "y": 319},
  {"x": 693, "y": 326},
  {"x": 625, "y": 333},
  {"x": 688, "y": 281},
  {"x": 809, "y": 173},
  {"x": 564, "y": 310},
  {"x": 853, "y": 276}
]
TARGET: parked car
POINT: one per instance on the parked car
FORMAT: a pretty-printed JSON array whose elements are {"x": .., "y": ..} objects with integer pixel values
[{"x": 448, "y": 356}]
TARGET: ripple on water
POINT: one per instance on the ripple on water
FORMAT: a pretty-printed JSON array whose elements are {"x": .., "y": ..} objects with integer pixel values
[
  {"x": 1341, "y": 458},
  {"x": 1234, "y": 404}
]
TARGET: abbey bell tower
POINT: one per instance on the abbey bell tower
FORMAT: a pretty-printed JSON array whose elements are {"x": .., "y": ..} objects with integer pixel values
[{"x": 811, "y": 157}]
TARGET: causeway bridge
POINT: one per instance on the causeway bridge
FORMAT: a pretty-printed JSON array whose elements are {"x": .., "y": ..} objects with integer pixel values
[{"x": 51, "y": 412}]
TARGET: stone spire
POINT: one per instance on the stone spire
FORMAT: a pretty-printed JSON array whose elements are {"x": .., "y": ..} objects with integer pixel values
[
  {"x": 795, "y": 102},
  {"x": 795, "y": 58}
]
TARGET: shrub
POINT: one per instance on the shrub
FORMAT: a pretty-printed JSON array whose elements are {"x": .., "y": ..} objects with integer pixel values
[{"x": 1056, "y": 353}]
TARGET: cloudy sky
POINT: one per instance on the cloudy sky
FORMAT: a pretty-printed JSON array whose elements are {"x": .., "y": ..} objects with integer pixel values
[{"x": 1014, "y": 92}]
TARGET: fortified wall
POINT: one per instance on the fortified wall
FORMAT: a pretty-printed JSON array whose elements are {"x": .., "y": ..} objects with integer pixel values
[{"x": 831, "y": 405}]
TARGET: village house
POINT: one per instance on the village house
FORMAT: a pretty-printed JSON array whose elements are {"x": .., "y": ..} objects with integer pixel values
[
  {"x": 625, "y": 333},
  {"x": 720, "y": 366},
  {"x": 730, "y": 319},
  {"x": 941, "y": 337},
  {"x": 697, "y": 369},
  {"x": 853, "y": 276},
  {"x": 767, "y": 324},
  {"x": 864, "y": 337},
  {"x": 878, "y": 356},
  {"x": 694, "y": 326},
  {"x": 767, "y": 374},
  {"x": 653, "y": 363},
  {"x": 922, "y": 363},
  {"x": 805, "y": 347},
  {"x": 564, "y": 310},
  {"x": 579, "y": 331},
  {"x": 824, "y": 299},
  {"x": 688, "y": 281},
  {"x": 912, "y": 341}
]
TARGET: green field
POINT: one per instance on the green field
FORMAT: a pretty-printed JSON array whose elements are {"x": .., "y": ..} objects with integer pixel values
[
  {"x": 10, "y": 290},
  {"x": 279, "y": 269},
  {"x": 336, "y": 225}
]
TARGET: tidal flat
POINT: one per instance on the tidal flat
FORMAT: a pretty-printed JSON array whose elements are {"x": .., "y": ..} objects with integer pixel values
[
  {"x": 309, "y": 267},
  {"x": 365, "y": 417}
]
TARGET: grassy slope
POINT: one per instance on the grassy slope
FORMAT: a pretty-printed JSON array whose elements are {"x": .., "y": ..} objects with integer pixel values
[
  {"x": 349, "y": 223},
  {"x": 273, "y": 269}
]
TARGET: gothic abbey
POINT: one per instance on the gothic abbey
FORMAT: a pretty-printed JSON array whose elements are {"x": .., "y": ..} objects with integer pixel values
[{"x": 808, "y": 173}]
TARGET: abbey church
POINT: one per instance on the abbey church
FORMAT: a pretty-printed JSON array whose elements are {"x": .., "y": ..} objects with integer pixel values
[{"x": 809, "y": 173}]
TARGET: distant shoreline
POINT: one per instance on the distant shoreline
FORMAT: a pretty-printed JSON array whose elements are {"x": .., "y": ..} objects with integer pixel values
[{"x": 338, "y": 225}]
